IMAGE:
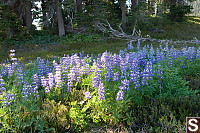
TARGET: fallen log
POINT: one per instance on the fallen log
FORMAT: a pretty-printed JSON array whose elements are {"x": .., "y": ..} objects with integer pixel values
[{"x": 136, "y": 35}]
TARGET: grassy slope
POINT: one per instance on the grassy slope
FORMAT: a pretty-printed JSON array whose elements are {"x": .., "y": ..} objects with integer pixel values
[
  {"x": 45, "y": 46},
  {"x": 179, "y": 31}
]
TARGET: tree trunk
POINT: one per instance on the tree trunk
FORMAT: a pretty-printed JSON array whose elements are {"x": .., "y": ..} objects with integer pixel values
[
  {"x": 134, "y": 3},
  {"x": 96, "y": 11},
  {"x": 124, "y": 18},
  {"x": 61, "y": 26},
  {"x": 79, "y": 5},
  {"x": 28, "y": 16},
  {"x": 172, "y": 2}
]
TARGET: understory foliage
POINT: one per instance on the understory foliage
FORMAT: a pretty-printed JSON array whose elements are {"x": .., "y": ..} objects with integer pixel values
[
  {"x": 10, "y": 25},
  {"x": 178, "y": 12},
  {"x": 85, "y": 16},
  {"x": 139, "y": 89}
]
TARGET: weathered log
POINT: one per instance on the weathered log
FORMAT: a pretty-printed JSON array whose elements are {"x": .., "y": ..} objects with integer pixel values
[{"x": 136, "y": 35}]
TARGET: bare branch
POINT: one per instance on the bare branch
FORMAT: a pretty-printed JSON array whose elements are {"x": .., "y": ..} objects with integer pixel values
[{"x": 136, "y": 35}]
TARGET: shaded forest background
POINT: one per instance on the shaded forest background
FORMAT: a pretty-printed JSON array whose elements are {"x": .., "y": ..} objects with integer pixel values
[{"x": 61, "y": 17}]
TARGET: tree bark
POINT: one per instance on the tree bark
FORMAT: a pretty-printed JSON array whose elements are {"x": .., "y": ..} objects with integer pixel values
[
  {"x": 134, "y": 3},
  {"x": 61, "y": 26},
  {"x": 96, "y": 11},
  {"x": 124, "y": 18},
  {"x": 79, "y": 5},
  {"x": 28, "y": 16}
]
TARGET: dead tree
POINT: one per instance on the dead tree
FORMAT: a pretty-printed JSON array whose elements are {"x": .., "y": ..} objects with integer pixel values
[{"x": 135, "y": 36}]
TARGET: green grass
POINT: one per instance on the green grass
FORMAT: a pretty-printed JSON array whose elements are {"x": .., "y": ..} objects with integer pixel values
[
  {"x": 45, "y": 45},
  {"x": 178, "y": 31},
  {"x": 31, "y": 52}
]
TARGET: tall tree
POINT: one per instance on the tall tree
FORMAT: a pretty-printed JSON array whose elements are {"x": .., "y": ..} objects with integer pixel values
[
  {"x": 28, "y": 14},
  {"x": 79, "y": 5},
  {"x": 134, "y": 3},
  {"x": 123, "y": 9},
  {"x": 61, "y": 26}
]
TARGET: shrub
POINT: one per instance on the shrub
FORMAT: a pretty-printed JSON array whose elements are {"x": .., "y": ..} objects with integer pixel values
[{"x": 178, "y": 12}]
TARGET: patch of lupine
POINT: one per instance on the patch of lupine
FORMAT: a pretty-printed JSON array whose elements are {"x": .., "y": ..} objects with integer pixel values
[
  {"x": 8, "y": 98},
  {"x": 131, "y": 70},
  {"x": 2, "y": 84}
]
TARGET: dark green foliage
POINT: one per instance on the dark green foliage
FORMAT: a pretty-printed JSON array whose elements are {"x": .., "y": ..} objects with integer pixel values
[
  {"x": 56, "y": 115},
  {"x": 10, "y": 25},
  {"x": 178, "y": 12}
]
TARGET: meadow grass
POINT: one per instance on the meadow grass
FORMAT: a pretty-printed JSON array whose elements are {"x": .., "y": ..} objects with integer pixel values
[
  {"x": 178, "y": 30},
  {"x": 44, "y": 45}
]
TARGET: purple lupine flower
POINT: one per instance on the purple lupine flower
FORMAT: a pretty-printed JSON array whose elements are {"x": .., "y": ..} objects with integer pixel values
[
  {"x": 97, "y": 79},
  {"x": 197, "y": 41},
  {"x": 12, "y": 54},
  {"x": 41, "y": 67},
  {"x": 134, "y": 64},
  {"x": 87, "y": 94},
  {"x": 47, "y": 67},
  {"x": 147, "y": 73},
  {"x": 51, "y": 82},
  {"x": 87, "y": 68},
  {"x": 109, "y": 73},
  {"x": 101, "y": 91},
  {"x": 20, "y": 73},
  {"x": 75, "y": 60},
  {"x": 162, "y": 56},
  {"x": 35, "y": 85},
  {"x": 170, "y": 63},
  {"x": 121, "y": 53},
  {"x": 123, "y": 69},
  {"x": 58, "y": 79},
  {"x": 160, "y": 47},
  {"x": 158, "y": 56},
  {"x": 130, "y": 46},
  {"x": 10, "y": 70},
  {"x": 78, "y": 76},
  {"x": 9, "y": 97},
  {"x": 13, "y": 59},
  {"x": 198, "y": 54},
  {"x": 44, "y": 81},
  {"x": 135, "y": 78},
  {"x": 138, "y": 45},
  {"x": 35, "y": 80},
  {"x": 116, "y": 76},
  {"x": 160, "y": 73},
  {"x": 142, "y": 58},
  {"x": 151, "y": 54},
  {"x": 69, "y": 85},
  {"x": 12, "y": 50},
  {"x": 47, "y": 89},
  {"x": 126, "y": 84},
  {"x": 148, "y": 46},
  {"x": 120, "y": 95},
  {"x": 71, "y": 78},
  {"x": 150, "y": 66},
  {"x": 2, "y": 84},
  {"x": 183, "y": 64},
  {"x": 72, "y": 74},
  {"x": 166, "y": 50},
  {"x": 191, "y": 53},
  {"x": 104, "y": 57},
  {"x": 116, "y": 61},
  {"x": 26, "y": 90}
]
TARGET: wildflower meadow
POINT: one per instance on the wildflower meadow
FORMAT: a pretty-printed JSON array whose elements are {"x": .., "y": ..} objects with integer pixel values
[{"x": 140, "y": 89}]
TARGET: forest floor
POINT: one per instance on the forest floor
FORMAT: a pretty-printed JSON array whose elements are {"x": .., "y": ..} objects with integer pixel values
[{"x": 44, "y": 45}]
